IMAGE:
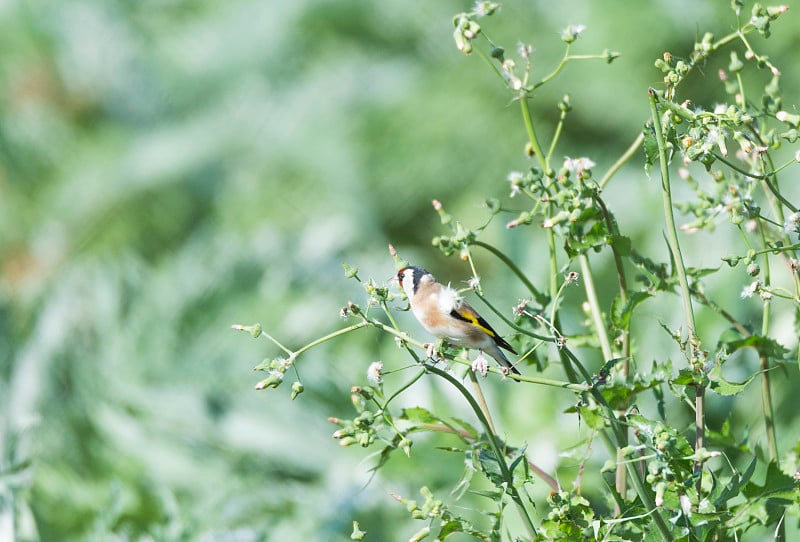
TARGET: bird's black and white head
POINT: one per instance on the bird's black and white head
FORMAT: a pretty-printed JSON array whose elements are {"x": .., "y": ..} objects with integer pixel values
[{"x": 412, "y": 278}]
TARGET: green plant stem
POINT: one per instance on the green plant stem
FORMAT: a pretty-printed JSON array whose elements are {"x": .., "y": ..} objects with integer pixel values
[
  {"x": 467, "y": 437},
  {"x": 539, "y": 296},
  {"x": 674, "y": 245},
  {"x": 620, "y": 481},
  {"x": 403, "y": 388},
  {"x": 328, "y": 337},
  {"x": 476, "y": 385},
  {"x": 672, "y": 231},
  {"x": 594, "y": 304},
  {"x": 556, "y": 136},
  {"x": 507, "y": 475},
  {"x": 619, "y": 432},
  {"x": 621, "y": 279},
  {"x": 511, "y": 324},
  {"x": 566, "y": 58},
  {"x": 534, "y": 141},
  {"x": 766, "y": 389},
  {"x": 464, "y": 361},
  {"x": 622, "y": 160}
]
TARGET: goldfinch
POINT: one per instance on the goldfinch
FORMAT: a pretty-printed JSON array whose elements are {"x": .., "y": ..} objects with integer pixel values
[{"x": 446, "y": 315}]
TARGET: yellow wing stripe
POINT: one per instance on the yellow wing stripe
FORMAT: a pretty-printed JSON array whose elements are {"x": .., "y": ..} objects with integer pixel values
[{"x": 476, "y": 321}]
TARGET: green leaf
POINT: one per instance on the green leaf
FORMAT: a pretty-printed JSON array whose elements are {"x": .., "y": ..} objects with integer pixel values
[
  {"x": 621, "y": 394},
  {"x": 622, "y": 244},
  {"x": 650, "y": 146},
  {"x": 686, "y": 377},
  {"x": 765, "y": 346},
  {"x": 466, "y": 476},
  {"x": 621, "y": 312},
  {"x": 720, "y": 386},
  {"x": 419, "y": 415},
  {"x": 466, "y": 427},
  {"x": 592, "y": 416},
  {"x": 700, "y": 272},
  {"x": 731, "y": 489}
]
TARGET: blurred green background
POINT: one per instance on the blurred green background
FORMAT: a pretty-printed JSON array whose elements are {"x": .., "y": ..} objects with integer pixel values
[{"x": 169, "y": 168}]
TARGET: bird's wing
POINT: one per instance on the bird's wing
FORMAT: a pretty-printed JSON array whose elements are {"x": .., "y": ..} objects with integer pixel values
[{"x": 466, "y": 313}]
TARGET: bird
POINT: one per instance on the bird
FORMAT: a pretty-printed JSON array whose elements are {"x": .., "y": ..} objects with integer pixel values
[{"x": 445, "y": 314}]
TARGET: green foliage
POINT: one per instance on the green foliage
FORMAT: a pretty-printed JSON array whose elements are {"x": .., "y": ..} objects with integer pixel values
[
  {"x": 169, "y": 168},
  {"x": 669, "y": 483}
]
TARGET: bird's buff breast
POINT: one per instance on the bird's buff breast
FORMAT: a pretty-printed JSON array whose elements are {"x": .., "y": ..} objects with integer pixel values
[{"x": 441, "y": 327}]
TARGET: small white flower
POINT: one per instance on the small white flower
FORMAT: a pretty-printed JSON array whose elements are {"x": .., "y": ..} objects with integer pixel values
[
  {"x": 474, "y": 282},
  {"x": 524, "y": 50},
  {"x": 515, "y": 178},
  {"x": 480, "y": 365},
  {"x": 578, "y": 164},
  {"x": 375, "y": 372},
  {"x": 719, "y": 109},
  {"x": 430, "y": 351},
  {"x": 482, "y": 9},
  {"x": 571, "y": 32},
  {"x": 765, "y": 295},
  {"x": 749, "y": 290},
  {"x": 571, "y": 278},
  {"x": 520, "y": 308},
  {"x": 792, "y": 222}
]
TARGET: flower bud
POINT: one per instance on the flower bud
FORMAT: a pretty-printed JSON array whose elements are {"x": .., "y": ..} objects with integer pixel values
[
  {"x": 272, "y": 381},
  {"x": 357, "y": 533},
  {"x": 735, "y": 65},
  {"x": 350, "y": 272},
  {"x": 297, "y": 389},
  {"x": 420, "y": 535}
]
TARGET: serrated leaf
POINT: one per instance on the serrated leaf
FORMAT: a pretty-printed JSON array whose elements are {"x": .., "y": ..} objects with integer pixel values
[
  {"x": 419, "y": 415},
  {"x": 686, "y": 377},
  {"x": 731, "y": 489},
  {"x": 620, "y": 394},
  {"x": 622, "y": 244},
  {"x": 765, "y": 346},
  {"x": 491, "y": 467},
  {"x": 720, "y": 386},
  {"x": 699, "y": 272}
]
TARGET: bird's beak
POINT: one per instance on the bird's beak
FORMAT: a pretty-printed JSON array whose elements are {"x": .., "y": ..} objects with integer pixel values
[{"x": 393, "y": 280}]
